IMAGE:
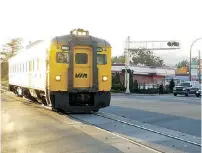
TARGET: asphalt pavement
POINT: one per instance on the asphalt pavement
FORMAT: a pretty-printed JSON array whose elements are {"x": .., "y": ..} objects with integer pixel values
[{"x": 177, "y": 113}]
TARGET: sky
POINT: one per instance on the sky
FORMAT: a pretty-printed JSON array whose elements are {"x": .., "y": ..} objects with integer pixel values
[{"x": 112, "y": 20}]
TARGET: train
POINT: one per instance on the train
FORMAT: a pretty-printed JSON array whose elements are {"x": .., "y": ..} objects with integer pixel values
[{"x": 71, "y": 72}]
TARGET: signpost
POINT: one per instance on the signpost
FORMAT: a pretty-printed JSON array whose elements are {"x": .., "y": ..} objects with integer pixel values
[
  {"x": 196, "y": 68},
  {"x": 144, "y": 45}
]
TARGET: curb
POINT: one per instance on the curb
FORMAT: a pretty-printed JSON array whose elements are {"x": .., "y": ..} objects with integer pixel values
[{"x": 134, "y": 94}]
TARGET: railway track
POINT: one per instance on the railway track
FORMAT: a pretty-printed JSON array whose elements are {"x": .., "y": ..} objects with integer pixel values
[
  {"x": 149, "y": 148},
  {"x": 157, "y": 148},
  {"x": 111, "y": 117},
  {"x": 148, "y": 129}
]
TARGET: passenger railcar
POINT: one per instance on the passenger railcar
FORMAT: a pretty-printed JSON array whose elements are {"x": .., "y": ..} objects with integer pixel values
[{"x": 70, "y": 72}]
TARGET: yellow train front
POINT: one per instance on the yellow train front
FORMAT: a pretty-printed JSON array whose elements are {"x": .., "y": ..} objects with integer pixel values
[
  {"x": 71, "y": 72},
  {"x": 80, "y": 72}
]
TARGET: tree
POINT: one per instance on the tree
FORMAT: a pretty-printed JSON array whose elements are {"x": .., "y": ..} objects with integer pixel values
[
  {"x": 171, "y": 85},
  {"x": 10, "y": 49},
  {"x": 143, "y": 57},
  {"x": 146, "y": 57},
  {"x": 118, "y": 59},
  {"x": 183, "y": 63}
]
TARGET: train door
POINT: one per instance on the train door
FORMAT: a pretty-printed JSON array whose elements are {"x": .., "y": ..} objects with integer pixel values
[{"x": 82, "y": 67}]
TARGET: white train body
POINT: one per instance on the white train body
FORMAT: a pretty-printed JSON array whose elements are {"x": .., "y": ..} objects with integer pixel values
[{"x": 28, "y": 68}]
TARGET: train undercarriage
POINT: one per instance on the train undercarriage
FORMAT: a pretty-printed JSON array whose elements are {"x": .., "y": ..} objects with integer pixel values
[{"x": 75, "y": 102}]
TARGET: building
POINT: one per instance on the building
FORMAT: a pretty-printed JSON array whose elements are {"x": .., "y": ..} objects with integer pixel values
[
  {"x": 182, "y": 74},
  {"x": 145, "y": 74}
]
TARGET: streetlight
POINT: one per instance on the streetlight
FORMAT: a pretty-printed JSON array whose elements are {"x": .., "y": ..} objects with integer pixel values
[{"x": 190, "y": 57}]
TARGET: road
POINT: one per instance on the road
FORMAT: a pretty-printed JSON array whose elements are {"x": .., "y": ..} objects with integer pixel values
[
  {"x": 181, "y": 114},
  {"x": 178, "y": 113},
  {"x": 166, "y": 123},
  {"x": 30, "y": 128}
]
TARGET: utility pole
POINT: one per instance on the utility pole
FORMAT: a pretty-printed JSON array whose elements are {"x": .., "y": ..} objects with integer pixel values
[
  {"x": 190, "y": 56},
  {"x": 127, "y": 64},
  {"x": 199, "y": 57}
]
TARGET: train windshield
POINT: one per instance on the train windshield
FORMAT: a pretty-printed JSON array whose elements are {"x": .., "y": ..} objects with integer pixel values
[
  {"x": 62, "y": 57},
  {"x": 81, "y": 58},
  {"x": 101, "y": 59}
]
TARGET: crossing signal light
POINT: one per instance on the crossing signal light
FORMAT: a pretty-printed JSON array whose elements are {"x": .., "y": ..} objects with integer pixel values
[
  {"x": 128, "y": 71},
  {"x": 174, "y": 43}
]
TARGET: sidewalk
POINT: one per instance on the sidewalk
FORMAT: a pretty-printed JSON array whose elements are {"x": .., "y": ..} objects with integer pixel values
[{"x": 134, "y": 94}]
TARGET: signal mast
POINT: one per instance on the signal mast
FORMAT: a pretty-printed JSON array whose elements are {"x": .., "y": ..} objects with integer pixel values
[{"x": 131, "y": 46}]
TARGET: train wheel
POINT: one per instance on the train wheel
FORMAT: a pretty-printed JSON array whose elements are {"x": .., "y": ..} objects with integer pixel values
[
  {"x": 19, "y": 92},
  {"x": 47, "y": 97}
]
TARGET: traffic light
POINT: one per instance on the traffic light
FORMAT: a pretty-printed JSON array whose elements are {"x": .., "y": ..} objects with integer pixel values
[
  {"x": 174, "y": 43},
  {"x": 128, "y": 71}
]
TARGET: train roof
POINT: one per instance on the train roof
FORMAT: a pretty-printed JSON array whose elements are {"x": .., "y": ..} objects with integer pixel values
[{"x": 65, "y": 39}]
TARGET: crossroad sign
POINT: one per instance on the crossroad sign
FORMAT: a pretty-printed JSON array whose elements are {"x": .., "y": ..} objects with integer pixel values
[{"x": 152, "y": 45}]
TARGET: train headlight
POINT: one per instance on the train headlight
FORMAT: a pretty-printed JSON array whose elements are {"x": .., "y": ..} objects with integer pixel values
[
  {"x": 104, "y": 78},
  {"x": 58, "y": 78}
]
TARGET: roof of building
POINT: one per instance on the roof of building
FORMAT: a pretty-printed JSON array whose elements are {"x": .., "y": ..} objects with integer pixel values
[{"x": 145, "y": 70}]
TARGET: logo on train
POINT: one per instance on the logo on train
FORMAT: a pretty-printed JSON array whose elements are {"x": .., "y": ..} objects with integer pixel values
[{"x": 81, "y": 75}]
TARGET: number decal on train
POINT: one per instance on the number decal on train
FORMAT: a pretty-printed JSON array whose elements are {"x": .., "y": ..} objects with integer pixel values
[{"x": 81, "y": 75}]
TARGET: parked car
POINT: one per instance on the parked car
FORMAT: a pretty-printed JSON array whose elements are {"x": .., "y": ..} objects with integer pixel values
[
  {"x": 186, "y": 88},
  {"x": 198, "y": 93}
]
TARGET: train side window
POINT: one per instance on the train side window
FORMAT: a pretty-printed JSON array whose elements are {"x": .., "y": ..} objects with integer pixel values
[
  {"x": 27, "y": 66},
  {"x": 37, "y": 64},
  {"x": 30, "y": 66},
  {"x": 81, "y": 58},
  {"x": 101, "y": 59},
  {"x": 33, "y": 64}
]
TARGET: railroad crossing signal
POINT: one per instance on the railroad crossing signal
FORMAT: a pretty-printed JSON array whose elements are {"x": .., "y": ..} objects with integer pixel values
[
  {"x": 174, "y": 43},
  {"x": 130, "y": 46},
  {"x": 151, "y": 45},
  {"x": 128, "y": 71}
]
